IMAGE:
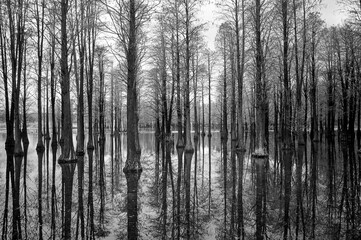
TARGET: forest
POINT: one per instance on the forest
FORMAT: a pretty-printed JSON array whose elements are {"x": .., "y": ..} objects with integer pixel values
[{"x": 119, "y": 120}]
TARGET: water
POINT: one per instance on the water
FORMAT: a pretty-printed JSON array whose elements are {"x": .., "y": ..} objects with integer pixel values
[{"x": 325, "y": 191}]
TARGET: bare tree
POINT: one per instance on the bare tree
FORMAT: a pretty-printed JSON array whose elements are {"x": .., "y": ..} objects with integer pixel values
[{"x": 67, "y": 159}]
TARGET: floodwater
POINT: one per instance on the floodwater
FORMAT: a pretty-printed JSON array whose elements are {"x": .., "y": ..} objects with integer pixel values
[{"x": 325, "y": 192}]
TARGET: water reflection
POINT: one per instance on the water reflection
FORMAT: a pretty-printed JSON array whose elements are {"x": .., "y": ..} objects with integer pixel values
[{"x": 325, "y": 195}]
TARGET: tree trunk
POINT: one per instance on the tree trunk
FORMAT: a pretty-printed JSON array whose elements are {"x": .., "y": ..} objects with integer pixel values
[
  {"x": 54, "y": 142},
  {"x": 80, "y": 148},
  {"x": 101, "y": 140},
  {"x": 67, "y": 159},
  {"x": 224, "y": 133},
  {"x": 209, "y": 137},
  {"x": 180, "y": 142},
  {"x": 240, "y": 150},
  {"x": 188, "y": 144},
  {"x": 260, "y": 154},
  {"x": 25, "y": 140},
  {"x": 233, "y": 141},
  {"x": 287, "y": 101},
  {"x": 132, "y": 167}
]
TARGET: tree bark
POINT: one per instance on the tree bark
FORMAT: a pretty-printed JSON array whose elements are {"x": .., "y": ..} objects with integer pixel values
[
  {"x": 67, "y": 159},
  {"x": 189, "y": 150},
  {"x": 132, "y": 167}
]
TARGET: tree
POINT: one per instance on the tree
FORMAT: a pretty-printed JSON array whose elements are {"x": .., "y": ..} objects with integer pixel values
[
  {"x": 260, "y": 154},
  {"x": 133, "y": 168},
  {"x": 240, "y": 55},
  {"x": 225, "y": 32},
  {"x": 54, "y": 142},
  {"x": 12, "y": 32},
  {"x": 40, "y": 148},
  {"x": 67, "y": 159},
  {"x": 91, "y": 40},
  {"x": 80, "y": 147},
  {"x": 180, "y": 141},
  {"x": 287, "y": 101}
]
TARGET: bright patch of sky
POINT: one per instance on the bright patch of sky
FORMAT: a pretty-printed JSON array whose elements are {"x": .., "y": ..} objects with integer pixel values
[{"x": 331, "y": 13}]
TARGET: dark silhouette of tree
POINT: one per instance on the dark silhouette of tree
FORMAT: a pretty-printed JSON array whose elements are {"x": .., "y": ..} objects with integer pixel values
[
  {"x": 40, "y": 148},
  {"x": 91, "y": 21},
  {"x": 67, "y": 159},
  {"x": 12, "y": 33},
  {"x": 260, "y": 154},
  {"x": 80, "y": 75}
]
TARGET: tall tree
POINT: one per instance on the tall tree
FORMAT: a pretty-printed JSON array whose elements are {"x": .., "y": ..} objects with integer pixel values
[
  {"x": 209, "y": 132},
  {"x": 260, "y": 154},
  {"x": 25, "y": 140},
  {"x": 180, "y": 141},
  {"x": 287, "y": 101},
  {"x": 12, "y": 33},
  {"x": 100, "y": 52},
  {"x": 91, "y": 40},
  {"x": 54, "y": 142},
  {"x": 240, "y": 56},
  {"x": 225, "y": 32},
  {"x": 188, "y": 150},
  {"x": 80, "y": 147},
  {"x": 133, "y": 168},
  {"x": 40, "y": 148},
  {"x": 67, "y": 159}
]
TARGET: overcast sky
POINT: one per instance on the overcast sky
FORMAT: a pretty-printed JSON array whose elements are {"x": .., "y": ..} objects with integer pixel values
[{"x": 330, "y": 12}]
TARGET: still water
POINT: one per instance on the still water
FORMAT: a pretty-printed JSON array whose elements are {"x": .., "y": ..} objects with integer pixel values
[{"x": 325, "y": 194}]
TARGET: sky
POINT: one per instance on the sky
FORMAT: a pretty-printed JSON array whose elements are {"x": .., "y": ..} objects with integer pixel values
[{"x": 331, "y": 13}]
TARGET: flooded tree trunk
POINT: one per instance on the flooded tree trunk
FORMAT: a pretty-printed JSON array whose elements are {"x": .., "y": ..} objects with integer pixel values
[
  {"x": 47, "y": 139},
  {"x": 90, "y": 145},
  {"x": 209, "y": 135},
  {"x": 157, "y": 136},
  {"x": 116, "y": 133},
  {"x": 67, "y": 159},
  {"x": 195, "y": 137},
  {"x": 132, "y": 167},
  {"x": 224, "y": 132},
  {"x": 40, "y": 148},
  {"x": 25, "y": 140},
  {"x": 240, "y": 148},
  {"x": 260, "y": 154},
  {"x": 101, "y": 140},
  {"x": 180, "y": 142},
  {"x": 15, "y": 27},
  {"x": 203, "y": 133},
  {"x": 112, "y": 132},
  {"x": 299, "y": 193},
  {"x": 233, "y": 140},
  {"x": 313, "y": 185},
  {"x": 80, "y": 148},
  {"x": 165, "y": 135},
  {"x": 331, "y": 186},
  {"x": 287, "y": 126},
  {"x": 260, "y": 162},
  {"x": 18, "y": 154},
  {"x": 54, "y": 142},
  {"x": 188, "y": 150},
  {"x": 9, "y": 142},
  {"x": 353, "y": 184}
]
